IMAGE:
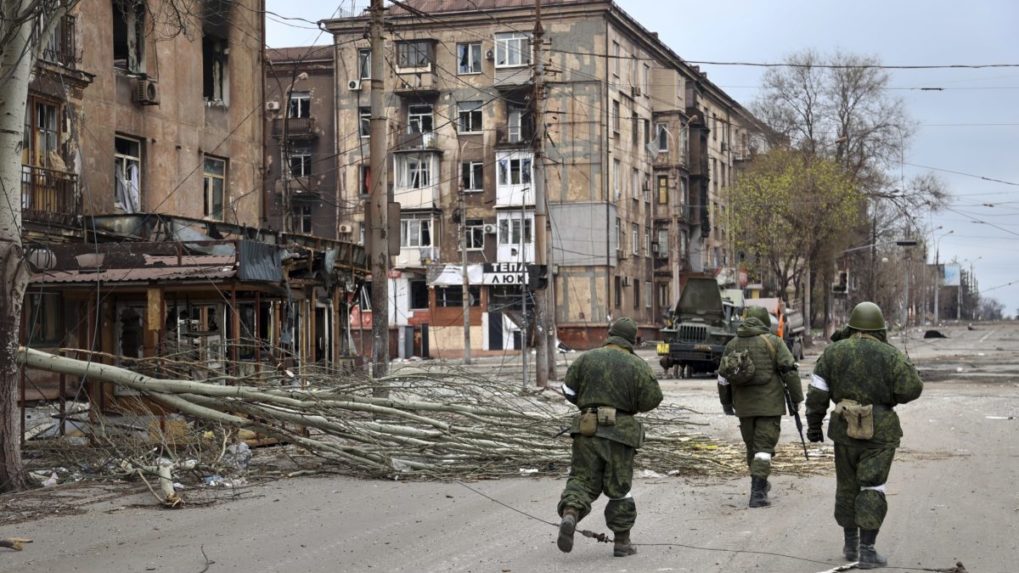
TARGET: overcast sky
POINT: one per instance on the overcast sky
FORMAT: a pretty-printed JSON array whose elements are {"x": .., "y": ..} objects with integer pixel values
[{"x": 968, "y": 130}]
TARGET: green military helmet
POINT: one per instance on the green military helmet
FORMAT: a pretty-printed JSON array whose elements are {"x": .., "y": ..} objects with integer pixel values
[
  {"x": 867, "y": 316},
  {"x": 758, "y": 312},
  {"x": 625, "y": 328}
]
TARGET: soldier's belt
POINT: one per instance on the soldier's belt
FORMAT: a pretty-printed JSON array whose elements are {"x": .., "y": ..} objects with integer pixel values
[{"x": 594, "y": 410}]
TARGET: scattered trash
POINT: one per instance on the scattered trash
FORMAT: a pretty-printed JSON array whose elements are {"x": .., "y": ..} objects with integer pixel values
[
  {"x": 177, "y": 486},
  {"x": 237, "y": 456},
  {"x": 934, "y": 334},
  {"x": 650, "y": 474},
  {"x": 958, "y": 368},
  {"x": 214, "y": 480},
  {"x": 528, "y": 471},
  {"x": 50, "y": 481}
]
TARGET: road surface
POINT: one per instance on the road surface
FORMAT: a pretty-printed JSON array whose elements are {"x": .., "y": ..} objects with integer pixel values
[{"x": 953, "y": 496}]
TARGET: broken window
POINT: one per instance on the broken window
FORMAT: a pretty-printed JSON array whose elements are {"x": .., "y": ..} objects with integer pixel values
[
  {"x": 415, "y": 54},
  {"x": 300, "y": 163},
  {"x": 127, "y": 161},
  {"x": 419, "y": 118},
  {"x": 473, "y": 175},
  {"x": 518, "y": 124},
  {"x": 302, "y": 218},
  {"x": 468, "y": 57},
  {"x": 474, "y": 234},
  {"x": 44, "y": 318},
  {"x": 469, "y": 116},
  {"x": 364, "y": 63},
  {"x": 418, "y": 294},
  {"x": 512, "y": 49},
  {"x": 416, "y": 232},
  {"x": 129, "y": 35},
  {"x": 365, "y": 115},
  {"x": 215, "y": 186},
  {"x": 42, "y": 135},
  {"x": 215, "y": 34},
  {"x": 299, "y": 104}
]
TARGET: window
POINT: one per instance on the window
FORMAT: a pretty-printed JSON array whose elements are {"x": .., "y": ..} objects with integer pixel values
[
  {"x": 648, "y": 294},
  {"x": 646, "y": 188},
  {"x": 415, "y": 232},
  {"x": 635, "y": 129},
  {"x": 299, "y": 104},
  {"x": 618, "y": 292},
  {"x": 60, "y": 47},
  {"x": 473, "y": 175},
  {"x": 634, "y": 239},
  {"x": 454, "y": 296},
  {"x": 509, "y": 231},
  {"x": 647, "y": 131},
  {"x": 518, "y": 125},
  {"x": 127, "y": 161},
  {"x": 645, "y": 84},
  {"x": 474, "y": 234},
  {"x": 364, "y": 179},
  {"x": 714, "y": 127},
  {"x": 514, "y": 171},
  {"x": 42, "y": 131},
  {"x": 635, "y": 184},
  {"x": 619, "y": 234},
  {"x": 512, "y": 49},
  {"x": 614, "y": 118},
  {"x": 365, "y": 123},
  {"x": 636, "y": 293},
  {"x": 302, "y": 218},
  {"x": 663, "y": 189},
  {"x": 415, "y": 54},
  {"x": 414, "y": 171},
  {"x": 663, "y": 137},
  {"x": 44, "y": 319},
  {"x": 469, "y": 116},
  {"x": 663, "y": 242},
  {"x": 418, "y": 294},
  {"x": 647, "y": 240},
  {"x": 215, "y": 186},
  {"x": 419, "y": 118},
  {"x": 300, "y": 163},
  {"x": 468, "y": 58},
  {"x": 364, "y": 63},
  {"x": 129, "y": 36},
  {"x": 617, "y": 178},
  {"x": 663, "y": 295},
  {"x": 214, "y": 69},
  {"x": 617, "y": 55}
]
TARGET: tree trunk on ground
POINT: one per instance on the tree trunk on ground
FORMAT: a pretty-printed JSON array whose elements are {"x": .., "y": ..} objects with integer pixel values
[{"x": 16, "y": 60}]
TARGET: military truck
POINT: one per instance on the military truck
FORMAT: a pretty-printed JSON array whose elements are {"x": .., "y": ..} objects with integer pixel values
[
  {"x": 786, "y": 323},
  {"x": 698, "y": 328}
]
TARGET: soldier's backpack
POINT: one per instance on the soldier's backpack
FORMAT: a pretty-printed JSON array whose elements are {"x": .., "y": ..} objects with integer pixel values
[{"x": 738, "y": 368}]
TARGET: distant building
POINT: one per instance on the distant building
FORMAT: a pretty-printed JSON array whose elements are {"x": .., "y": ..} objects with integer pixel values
[{"x": 640, "y": 150}]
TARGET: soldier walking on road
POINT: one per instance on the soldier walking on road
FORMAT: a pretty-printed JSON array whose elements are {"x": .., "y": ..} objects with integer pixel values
[
  {"x": 866, "y": 378},
  {"x": 609, "y": 384},
  {"x": 755, "y": 372}
]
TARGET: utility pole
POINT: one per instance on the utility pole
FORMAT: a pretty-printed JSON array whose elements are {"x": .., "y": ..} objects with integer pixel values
[
  {"x": 523, "y": 292},
  {"x": 463, "y": 267},
  {"x": 545, "y": 359},
  {"x": 378, "y": 204}
]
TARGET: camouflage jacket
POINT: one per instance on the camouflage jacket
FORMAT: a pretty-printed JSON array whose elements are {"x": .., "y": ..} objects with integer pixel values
[
  {"x": 613, "y": 376},
  {"x": 863, "y": 368},
  {"x": 773, "y": 374}
]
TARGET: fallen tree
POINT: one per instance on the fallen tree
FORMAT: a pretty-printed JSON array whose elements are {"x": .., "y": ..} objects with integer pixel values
[{"x": 435, "y": 424}]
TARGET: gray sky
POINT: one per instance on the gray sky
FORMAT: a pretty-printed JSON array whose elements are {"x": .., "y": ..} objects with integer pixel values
[{"x": 968, "y": 131}]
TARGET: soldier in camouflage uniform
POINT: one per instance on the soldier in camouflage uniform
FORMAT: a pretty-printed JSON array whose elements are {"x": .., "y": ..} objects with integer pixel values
[
  {"x": 864, "y": 369},
  {"x": 608, "y": 377},
  {"x": 760, "y": 403}
]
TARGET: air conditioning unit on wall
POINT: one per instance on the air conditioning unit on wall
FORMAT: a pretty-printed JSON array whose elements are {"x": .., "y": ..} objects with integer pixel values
[
  {"x": 490, "y": 229},
  {"x": 354, "y": 85},
  {"x": 346, "y": 228},
  {"x": 272, "y": 106},
  {"x": 146, "y": 92}
]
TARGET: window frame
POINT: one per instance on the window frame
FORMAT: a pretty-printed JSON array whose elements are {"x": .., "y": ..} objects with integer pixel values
[
  {"x": 470, "y": 114},
  {"x": 209, "y": 179},
  {"x": 302, "y": 217},
  {"x": 364, "y": 63},
  {"x": 299, "y": 101},
  {"x": 634, "y": 239},
  {"x": 472, "y": 176},
  {"x": 421, "y": 226},
  {"x": 403, "y": 51},
  {"x": 474, "y": 234},
  {"x": 662, "y": 135},
  {"x": 122, "y": 161},
  {"x": 416, "y": 118},
  {"x": 415, "y": 171},
  {"x": 505, "y": 49},
  {"x": 364, "y": 118},
  {"x": 304, "y": 158},
  {"x": 466, "y": 51}
]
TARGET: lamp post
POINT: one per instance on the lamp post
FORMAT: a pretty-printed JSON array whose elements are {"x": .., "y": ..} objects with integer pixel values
[
  {"x": 958, "y": 303},
  {"x": 938, "y": 276}
]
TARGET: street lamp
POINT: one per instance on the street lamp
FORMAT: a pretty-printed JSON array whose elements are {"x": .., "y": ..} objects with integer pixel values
[
  {"x": 958, "y": 302},
  {"x": 939, "y": 276}
]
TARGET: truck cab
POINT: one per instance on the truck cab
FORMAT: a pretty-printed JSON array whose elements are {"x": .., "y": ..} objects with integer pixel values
[{"x": 702, "y": 323}]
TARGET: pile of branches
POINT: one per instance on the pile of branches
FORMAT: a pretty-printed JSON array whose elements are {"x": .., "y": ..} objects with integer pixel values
[{"x": 424, "y": 421}]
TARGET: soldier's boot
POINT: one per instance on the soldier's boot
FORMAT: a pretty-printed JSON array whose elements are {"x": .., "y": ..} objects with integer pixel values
[
  {"x": 759, "y": 492},
  {"x": 869, "y": 557},
  {"x": 621, "y": 546},
  {"x": 566, "y": 528},
  {"x": 851, "y": 548}
]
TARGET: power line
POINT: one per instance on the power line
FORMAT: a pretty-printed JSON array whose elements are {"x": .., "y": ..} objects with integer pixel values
[
  {"x": 849, "y": 66},
  {"x": 963, "y": 173}
]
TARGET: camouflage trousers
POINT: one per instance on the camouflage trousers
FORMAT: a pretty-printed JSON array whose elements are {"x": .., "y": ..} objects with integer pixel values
[
  {"x": 760, "y": 434},
  {"x": 601, "y": 466},
  {"x": 860, "y": 476}
]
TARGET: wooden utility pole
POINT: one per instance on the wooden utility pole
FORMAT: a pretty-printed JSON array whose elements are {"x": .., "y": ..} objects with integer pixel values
[
  {"x": 545, "y": 358},
  {"x": 378, "y": 204},
  {"x": 465, "y": 285}
]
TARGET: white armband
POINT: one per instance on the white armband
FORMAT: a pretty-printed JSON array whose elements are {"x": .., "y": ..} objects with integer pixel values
[{"x": 818, "y": 382}]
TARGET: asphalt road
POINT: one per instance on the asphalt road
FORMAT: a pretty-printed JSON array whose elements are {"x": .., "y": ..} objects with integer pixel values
[{"x": 952, "y": 494}]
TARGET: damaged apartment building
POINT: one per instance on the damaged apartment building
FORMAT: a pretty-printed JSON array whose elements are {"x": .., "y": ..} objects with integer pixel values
[
  {"x": 640, "y": 151},
  {"x": 146, "y": 217}
]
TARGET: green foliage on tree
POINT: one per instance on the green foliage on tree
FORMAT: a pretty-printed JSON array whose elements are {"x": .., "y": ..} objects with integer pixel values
[{"x": 791, "y": 207}]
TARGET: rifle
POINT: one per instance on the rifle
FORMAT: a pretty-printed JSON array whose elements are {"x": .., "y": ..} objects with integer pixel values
[{"x": 799, "y": 423}]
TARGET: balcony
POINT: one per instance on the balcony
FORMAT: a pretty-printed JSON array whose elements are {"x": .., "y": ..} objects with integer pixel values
[
  {"x": 295, "y": 127},
  {"x": 420, "y": 83},
  {"x": 308, "y": 186},
  {"x": 417, "y": 141},
  {"x": 515, "y": 137},
  {"x": 60, "y": 48},
  {"x": 49, "y": 196}
]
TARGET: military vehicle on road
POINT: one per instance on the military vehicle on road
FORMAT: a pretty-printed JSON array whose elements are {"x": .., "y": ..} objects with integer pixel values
[{"x": 698, "y": 328}]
